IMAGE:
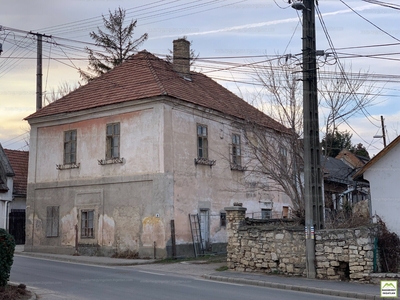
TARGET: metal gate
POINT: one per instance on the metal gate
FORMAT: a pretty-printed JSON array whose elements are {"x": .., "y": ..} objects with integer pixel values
[{"x": 16, "y": 225}]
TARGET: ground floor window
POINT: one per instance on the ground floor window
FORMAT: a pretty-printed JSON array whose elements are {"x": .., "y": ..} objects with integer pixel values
[
  {"x": 266, "y": 213},
  {"x": 222, "y": 219},
  {"x": 87, "y": 229}
]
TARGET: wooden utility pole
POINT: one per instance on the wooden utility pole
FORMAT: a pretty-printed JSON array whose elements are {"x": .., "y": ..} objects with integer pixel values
[
  {"x": 314, "y": 215},
  {"x": 383, "y": 132}
]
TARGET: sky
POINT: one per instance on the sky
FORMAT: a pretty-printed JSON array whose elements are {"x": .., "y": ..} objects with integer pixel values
[{"x": 228, "y": 36}]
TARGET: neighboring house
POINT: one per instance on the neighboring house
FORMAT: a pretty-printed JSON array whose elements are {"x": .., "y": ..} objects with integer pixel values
[
  {"x": 383, "y": 173},
  {"x": 339, "y": 186},
  {"x": 120, "y": 163},
  {"x": 13, "y": 181},
  {"x": 6, "y": 187},
  {"x": 354, "y": 161}
]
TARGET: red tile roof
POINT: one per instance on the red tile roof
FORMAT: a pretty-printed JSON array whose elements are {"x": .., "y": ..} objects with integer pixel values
[
  {"x": 143, "y": 76},
  {"x": 19, "y": 163}
]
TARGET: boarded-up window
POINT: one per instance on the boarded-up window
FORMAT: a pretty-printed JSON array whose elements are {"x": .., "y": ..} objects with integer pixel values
[
  {"x": 87, "y": 229},
  {"x": 52, "y": 221},
  {"x": 112, "y": 141},
  {"x": 70, "y": 147},
  {"x": 202, "y": 141},
  {"x": 285, "y": 212}
]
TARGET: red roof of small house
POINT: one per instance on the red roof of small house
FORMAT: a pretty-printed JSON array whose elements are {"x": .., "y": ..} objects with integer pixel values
[
  {"x": 143, "y": 76},
  {"x": 19, "y": 163}
]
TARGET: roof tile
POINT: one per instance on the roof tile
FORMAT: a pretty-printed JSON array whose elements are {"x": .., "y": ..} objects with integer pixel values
[
  {"x": 19, "y": 163},
  {"x": 143, "y": 76}
]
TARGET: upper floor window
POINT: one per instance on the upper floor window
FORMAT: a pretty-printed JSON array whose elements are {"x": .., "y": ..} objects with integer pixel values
[
  {"x": 202, "y": 141},
  {"x": 236, "y": 151},
  {"x": 113, "y": 141},
  {"x": 70, "y": 147}
]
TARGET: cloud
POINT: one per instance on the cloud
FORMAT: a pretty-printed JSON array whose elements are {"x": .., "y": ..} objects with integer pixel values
[{"x": 262, "y": 24}]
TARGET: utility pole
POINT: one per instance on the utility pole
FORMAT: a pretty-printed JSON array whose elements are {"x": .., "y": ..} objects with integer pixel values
[
  {"x": 383, "y": 132},
  {"x": 39, "y": 73},
  {"x": 314, "y": 214},
  {"x": 383, "y": 136}
]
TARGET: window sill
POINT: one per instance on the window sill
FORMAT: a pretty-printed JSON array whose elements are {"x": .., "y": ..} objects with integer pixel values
[
  {"x": 111, "y": 161},
  {"x": 68, "y": 166},
  {"x": 204, "y": 161},
  {"x": 235, "y": 167}
]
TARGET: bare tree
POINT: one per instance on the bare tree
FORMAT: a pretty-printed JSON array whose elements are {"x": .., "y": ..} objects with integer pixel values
[
  {"x": 343, "y": 96},
  {"x": 63, "y": 89},
  {"x": 279, "y": 155}
]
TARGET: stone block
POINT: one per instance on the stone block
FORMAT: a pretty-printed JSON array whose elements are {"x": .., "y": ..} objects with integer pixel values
[
  {"x": 290, "y": 268},
  {"x": 272, "y": 265},
  {"x": 356, "y": 269},
  {"x": 363, "y": 241},
  {"x": 279, "y": 236},
  {"x": 335, "y": 263},
  {"x": 368, "y": 247},
  {"x": 331, "y": 257},
  {"x": 274, "y": 257},
  {"x": 338, "y": 250}
]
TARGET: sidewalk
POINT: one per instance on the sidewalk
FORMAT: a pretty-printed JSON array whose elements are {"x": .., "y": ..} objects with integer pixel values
[
  {"x": 208, "y": 271},
  {"x": 317, "y": 286}
]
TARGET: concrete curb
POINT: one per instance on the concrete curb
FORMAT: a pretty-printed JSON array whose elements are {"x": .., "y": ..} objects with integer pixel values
[{"x": 306, "y": 289}]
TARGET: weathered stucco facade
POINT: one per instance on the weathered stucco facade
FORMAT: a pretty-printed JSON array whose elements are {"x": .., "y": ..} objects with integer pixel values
[{"x": 157, "y": 177}]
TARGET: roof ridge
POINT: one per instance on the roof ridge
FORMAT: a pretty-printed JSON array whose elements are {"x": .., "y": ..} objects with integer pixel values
[{"x": 153, "y": 72}]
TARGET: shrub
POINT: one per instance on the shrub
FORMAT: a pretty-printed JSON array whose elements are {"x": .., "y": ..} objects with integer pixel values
[
  {"x": 7, "y": 247},
  {"x": 389, "y": 248}
]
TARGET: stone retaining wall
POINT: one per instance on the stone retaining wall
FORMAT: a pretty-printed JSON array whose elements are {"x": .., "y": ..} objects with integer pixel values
[{"x": 345, "y": 254}]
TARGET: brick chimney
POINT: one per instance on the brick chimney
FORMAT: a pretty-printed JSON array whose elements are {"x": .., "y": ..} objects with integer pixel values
[{"x": 181, "y": 57}]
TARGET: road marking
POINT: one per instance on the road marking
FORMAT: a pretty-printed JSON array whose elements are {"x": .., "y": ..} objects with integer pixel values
[{"x": 154, "y": 273}]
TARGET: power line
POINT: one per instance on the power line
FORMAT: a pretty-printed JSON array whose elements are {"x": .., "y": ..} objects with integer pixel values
[{"x": 376, "y": 26}]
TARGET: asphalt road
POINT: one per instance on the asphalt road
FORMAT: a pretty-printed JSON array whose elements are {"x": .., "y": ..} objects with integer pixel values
[{"x": 78, "y": 281}]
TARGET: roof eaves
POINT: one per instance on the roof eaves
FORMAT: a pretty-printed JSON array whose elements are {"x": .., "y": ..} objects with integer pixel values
[
  {"x": 376, "y": 158},
  {"x": 8, "y": 170}
]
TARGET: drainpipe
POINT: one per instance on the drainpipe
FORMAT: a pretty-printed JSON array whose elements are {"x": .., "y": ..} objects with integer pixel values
[{"x": 6, "y": 215}]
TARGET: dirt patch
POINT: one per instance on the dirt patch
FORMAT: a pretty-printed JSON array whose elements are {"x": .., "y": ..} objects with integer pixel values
[{"x": 13, "y": 292}]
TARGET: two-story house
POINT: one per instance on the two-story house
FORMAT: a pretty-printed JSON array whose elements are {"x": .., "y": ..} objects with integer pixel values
[{"x": 120, "y": 163}]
